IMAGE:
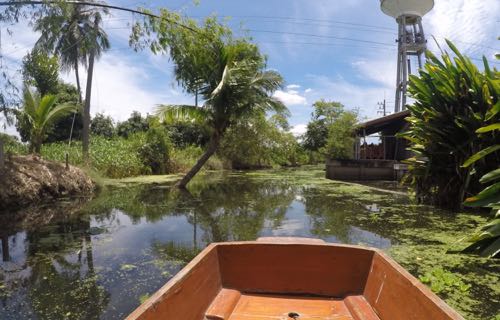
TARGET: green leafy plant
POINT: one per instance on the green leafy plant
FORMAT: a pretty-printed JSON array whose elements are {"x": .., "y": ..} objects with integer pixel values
[
  {"x": 155, "y": 152},
  {"x": 75, "y": 35},
  {"x": 41, "y": 112},
  {"x": 486, "y": 241},
  {"x": 228, "y": 74},
  {"x": 453, "y": 99},
  {"x": 442, "y": 281}
]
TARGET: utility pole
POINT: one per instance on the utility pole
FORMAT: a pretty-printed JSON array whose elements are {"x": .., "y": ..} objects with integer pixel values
[{"x": 382, "y": 108}]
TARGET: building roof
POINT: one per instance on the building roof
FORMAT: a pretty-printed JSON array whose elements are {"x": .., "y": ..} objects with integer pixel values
[{"x": 379, "y": 124}]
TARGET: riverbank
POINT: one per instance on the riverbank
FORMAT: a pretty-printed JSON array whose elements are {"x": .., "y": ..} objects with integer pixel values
[{"x": 29, "y": 180}]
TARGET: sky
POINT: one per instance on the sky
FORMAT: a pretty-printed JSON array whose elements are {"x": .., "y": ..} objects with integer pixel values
[{"x": 325, "y": 49}]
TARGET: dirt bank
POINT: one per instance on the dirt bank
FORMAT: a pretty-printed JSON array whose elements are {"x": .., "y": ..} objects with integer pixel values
[{"x": 27, "y": 180}]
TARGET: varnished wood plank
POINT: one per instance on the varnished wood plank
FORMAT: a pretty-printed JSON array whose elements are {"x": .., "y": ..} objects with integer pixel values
[
  {"x": 187, "y": 295},
  {"x": 307, "y": 269},
  {"x": 360, "y": 309},
  {"x": 395, "y": 294},
  {"x": 223, "y": 305},
  {"x": 252, "y": 306}
]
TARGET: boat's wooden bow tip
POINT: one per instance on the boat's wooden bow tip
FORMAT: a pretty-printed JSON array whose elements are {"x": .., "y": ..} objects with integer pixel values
[{"x": 289, "y": 240}]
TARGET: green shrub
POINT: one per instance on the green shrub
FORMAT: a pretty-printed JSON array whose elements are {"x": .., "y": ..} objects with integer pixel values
[
  {"x": 114, "y": 158},
  {"x": 12, "y": 145},
  {"x": 154, "y": 154},
  {"x": 181, "y": 160}
]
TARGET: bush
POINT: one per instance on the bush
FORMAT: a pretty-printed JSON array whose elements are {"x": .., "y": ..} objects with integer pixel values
[
  {"x": 12, "y": 145},
  {"x": 154, "y": 154},
  {"x": 115, "y": 158},
  {"x": 135, "y": 124},
  {"x": 102, "y": 125},
  {"x": 341, "y": 138},
  {"x": 181, "y": 160}
]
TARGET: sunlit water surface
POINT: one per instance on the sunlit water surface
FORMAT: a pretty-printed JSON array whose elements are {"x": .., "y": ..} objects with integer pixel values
[{"x": 100, "y": 259}]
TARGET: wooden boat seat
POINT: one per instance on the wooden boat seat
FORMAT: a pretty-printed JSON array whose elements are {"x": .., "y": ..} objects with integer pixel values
[
  {"x": 223, "y": 305},
  {"x": 360, "y": 308},
  {"x": 233, "y": 305}
]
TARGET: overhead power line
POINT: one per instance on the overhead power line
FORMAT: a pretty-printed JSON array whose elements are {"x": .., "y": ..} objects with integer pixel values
[
  {"x": 316, "y": 20},
  {"x": 97, "y": 4},
  {"x": 322, "y": 36}
]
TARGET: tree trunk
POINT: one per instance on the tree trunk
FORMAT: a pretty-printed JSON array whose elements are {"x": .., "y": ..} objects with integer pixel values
[
  {"x": 212, "y": 147},
  {"x": 5, "y": 248},
  {"x": 77, "y": 75},
  {"x": 2, "y": 157},
  {"x": 86, "y": 110}
]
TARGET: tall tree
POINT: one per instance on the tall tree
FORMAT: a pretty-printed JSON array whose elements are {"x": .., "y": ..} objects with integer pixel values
[
  {"x": 324, "y": 114},
  {"x": 41, "y": 113},
  {"x": 73, "y": 32},
  {"x": 41, "y": 71},
  {"x": 229, "y": 74}
]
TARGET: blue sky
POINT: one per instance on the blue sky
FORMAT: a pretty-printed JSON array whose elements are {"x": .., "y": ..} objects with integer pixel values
[{"x": 336, "y": 50}]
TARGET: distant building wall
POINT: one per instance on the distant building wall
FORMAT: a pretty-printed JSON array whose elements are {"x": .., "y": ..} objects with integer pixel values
[{"x": 352, "y": 170}]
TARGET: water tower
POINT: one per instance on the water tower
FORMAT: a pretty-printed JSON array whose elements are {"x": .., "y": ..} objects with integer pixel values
[{"x": 411, "y": 39}]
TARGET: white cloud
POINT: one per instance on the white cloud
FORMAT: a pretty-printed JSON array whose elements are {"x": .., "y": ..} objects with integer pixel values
[
  {"x": 293, "y": 86},
  {"x": 380, "y": 68},
  {"x": 471, "y": 24},
  {"x": 120, "y": 86},
  {"x": 290, "y": 98},
  {"x": 308, "y": 90},
  {"x": 299, "y": 129},
  {"x": 352, "y": 94}
]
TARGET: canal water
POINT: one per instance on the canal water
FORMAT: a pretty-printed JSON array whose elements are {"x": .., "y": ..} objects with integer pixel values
[{"x": 98, "y": 259}]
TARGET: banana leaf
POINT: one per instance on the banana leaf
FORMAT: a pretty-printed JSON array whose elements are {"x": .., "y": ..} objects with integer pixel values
[{"x": 481, "y": 154}]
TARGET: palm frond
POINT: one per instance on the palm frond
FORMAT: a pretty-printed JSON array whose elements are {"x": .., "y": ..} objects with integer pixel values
[
  {"x": 57, "y": 112},
  {"x": 45, "y": 106},
  {"x": 30, "y": 102},
  {"x": 182, "y": 113}
]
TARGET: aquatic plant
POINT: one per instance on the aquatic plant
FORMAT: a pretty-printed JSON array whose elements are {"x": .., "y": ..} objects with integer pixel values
[{"x": 442, "y": 281}]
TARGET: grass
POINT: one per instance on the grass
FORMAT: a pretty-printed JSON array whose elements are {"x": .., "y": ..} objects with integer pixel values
[{"x": 117, "y": 158}]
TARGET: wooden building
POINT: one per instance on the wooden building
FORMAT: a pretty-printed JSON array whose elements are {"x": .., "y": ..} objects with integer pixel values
[{"x": 374, "y": 161}]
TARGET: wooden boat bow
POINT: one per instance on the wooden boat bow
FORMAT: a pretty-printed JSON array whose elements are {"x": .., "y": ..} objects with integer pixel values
[{"x": 293, "y": 278}]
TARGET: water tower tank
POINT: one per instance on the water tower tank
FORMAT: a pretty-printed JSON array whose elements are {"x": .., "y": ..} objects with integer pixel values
[{"x": 398, "y": 8}]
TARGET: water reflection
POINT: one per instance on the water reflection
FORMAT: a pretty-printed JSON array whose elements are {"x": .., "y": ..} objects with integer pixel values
[{"x": 98, "y": 260}]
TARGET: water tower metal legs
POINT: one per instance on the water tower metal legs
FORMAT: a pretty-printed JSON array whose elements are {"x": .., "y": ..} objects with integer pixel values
[{"x": 411, "y": 41}]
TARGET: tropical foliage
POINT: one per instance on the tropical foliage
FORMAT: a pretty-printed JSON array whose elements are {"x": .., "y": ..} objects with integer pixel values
[
  {"x": 486, "y": 241},
  {"x": 74, "y": 34},
  {"x": 42, "y": 72},
  {"x": 41, "y": 112},
  {"x": 155, "y": 151},
  {"x": 102, "y": 125},
  {"x": 260, "y": 142},
  {"x": 135, "y": 123},
  {"x": 229, "y": 74},
  {"x": 341, "y": 138},
  {"x": 453, "y": 99},
  {"x": 325, "y": 112},
  {"x": 330, "y": 131}
]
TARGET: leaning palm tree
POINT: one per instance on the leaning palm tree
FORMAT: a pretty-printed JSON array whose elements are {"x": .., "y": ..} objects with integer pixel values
[
  {"x": 242, "y": 88},
  {"x": 73, "y": 32},
  {"x": 41, "y": 113}
]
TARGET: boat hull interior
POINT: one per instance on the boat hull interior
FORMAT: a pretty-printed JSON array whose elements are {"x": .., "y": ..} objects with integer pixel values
[{"x": 301, "y": 279}]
